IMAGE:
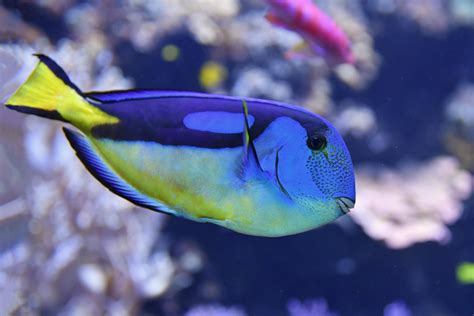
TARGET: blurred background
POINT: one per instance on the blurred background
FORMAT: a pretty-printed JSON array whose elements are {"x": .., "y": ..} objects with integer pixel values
[{"x": 405, "y": 108}]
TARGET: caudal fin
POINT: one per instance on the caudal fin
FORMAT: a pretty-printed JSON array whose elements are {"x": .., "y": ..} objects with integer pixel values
[
  {"x": 48, "y": 92},
  {"x": 45, "y": 91}
]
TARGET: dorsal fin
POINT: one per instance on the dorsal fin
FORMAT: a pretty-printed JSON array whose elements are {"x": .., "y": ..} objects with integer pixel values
[{"x": 99, "y": 169}]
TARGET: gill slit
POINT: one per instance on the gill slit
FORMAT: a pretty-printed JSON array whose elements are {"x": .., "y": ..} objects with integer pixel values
[{"x": 282, "y": 188}]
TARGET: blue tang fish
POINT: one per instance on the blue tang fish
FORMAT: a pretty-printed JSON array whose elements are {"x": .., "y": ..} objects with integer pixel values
[{"x": 254, "y": 166}]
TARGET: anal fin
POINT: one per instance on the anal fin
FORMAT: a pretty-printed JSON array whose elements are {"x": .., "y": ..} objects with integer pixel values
[{"x": 102, "y": 172}]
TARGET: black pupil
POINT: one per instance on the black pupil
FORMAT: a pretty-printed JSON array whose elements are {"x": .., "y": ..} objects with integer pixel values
[{"x": 317, "y": 142}]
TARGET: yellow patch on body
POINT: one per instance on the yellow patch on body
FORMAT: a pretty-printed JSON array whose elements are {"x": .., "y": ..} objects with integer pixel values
[{"x": 199, "y": 186}]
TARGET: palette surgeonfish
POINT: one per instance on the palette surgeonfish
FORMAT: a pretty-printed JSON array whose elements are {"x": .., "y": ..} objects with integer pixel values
[{"x": 254, "y": 166}]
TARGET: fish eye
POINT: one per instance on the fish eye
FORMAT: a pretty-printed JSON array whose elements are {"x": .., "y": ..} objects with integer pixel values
[{"x": 317, "y": 142}]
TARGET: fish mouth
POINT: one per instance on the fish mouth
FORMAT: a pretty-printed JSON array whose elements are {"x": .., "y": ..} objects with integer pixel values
[{"x": 345, "y": 204}]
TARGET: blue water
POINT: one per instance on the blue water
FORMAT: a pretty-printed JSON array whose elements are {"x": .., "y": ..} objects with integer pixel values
[{"x": 355, "y": 274}]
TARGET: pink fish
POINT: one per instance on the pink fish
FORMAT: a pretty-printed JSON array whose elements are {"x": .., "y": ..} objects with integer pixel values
[{"x": 321, "y": 34}]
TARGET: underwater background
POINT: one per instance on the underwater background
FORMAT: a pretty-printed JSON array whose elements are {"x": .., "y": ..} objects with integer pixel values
[{"x": 405, "y": 109}]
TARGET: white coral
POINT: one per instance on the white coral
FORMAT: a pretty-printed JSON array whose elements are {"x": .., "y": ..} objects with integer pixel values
[
  {"x": 411, "y": 204},
  {"x": 16, "y": 63}
]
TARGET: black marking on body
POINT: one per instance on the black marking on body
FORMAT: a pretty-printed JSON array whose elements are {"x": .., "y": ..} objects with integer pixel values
[{"x": 160, "y": 119}]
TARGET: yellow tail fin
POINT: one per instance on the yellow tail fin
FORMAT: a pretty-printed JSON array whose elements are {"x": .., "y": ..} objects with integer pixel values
[{"x": 48, "y": 92}]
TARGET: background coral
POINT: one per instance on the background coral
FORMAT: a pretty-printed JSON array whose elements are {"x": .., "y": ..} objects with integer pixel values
[
  {"x": 413, "y": 203},
  {"x": 68, "y": 246}
]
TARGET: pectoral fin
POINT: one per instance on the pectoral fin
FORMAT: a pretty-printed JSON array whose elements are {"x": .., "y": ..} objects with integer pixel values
[
  {"x": 305, "y": 50},
  {"x": 250, "y": 165},
  {"x": 300, "y": 51}
]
